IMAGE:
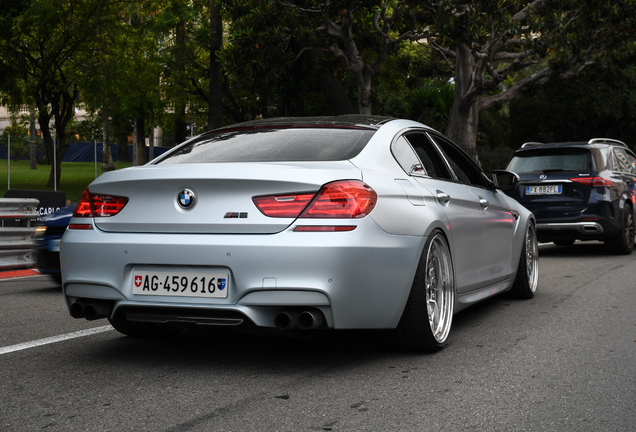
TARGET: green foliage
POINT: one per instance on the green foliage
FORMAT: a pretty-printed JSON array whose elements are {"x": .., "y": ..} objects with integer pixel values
[
  {"x": 257, "y": 55},
  {"x": 18, "y": 134},
  {"x": 431, "y": 103},
  {"x": 150, "y": 59},
  {"x": 43, "y": 41},
  {"x": 494, "y": 128},
  {"x": 598, "y": 102},
  {"x": 124, "y": 78},
  {"x": 89, "y": 129}
]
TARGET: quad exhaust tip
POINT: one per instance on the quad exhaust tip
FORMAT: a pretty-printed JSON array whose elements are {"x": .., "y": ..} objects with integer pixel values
[
  {"x": 309, "y": 320},
  {"x": 286, "y": 320},
  {"x": 91, "y": 310},
  {"x": 305, "y": 320}
]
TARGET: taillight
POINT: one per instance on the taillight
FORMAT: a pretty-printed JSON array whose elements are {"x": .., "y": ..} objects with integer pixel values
[
  {"x": 283, "y": 206},
  {"x": 346, "y": 199},
  {"x": 96, "y": 205},
  {"x": 83, "y": 207},
  {"x": 593, "y": 181},
  {"x": 107, "y": 205}
]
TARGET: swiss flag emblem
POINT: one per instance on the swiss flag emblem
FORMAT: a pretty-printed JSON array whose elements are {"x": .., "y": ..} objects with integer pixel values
[{"x": 138, "y": 281}]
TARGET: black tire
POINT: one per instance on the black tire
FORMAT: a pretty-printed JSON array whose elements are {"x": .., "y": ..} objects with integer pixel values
[
  {"x": 623, "y": 242},
  {"x": 527, "y": 279},
  {"x": 142, "y": 329},
  {"x": 564, "y": 242},
  {"x": 428, "y": 314}
]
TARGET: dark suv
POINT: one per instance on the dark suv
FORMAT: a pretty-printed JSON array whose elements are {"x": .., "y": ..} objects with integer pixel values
[{"x": 579, "y": 191}]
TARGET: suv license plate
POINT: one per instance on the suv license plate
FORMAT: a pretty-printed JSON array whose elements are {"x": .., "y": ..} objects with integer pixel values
[
  {"x": 543, "y": 190},
  {"x": 180, "y": 284}
]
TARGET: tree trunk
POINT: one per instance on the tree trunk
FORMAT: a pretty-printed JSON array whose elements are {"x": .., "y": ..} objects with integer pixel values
[
  {"x": 43, "y": 120},
  {"x": 464, "y": 118},
  {"x": 215, "y": 100},
  {"x": 107, "y": 157},
  {"x": 180, "y": 130},
  {"x": 62, "y": 103},
  {"x": 140, "y": 142},
  {"x": 462, "y": 127},
  {"x": 364, "y": 91},
  {"x": 262, "y": 102},
  {"x": 32, "y": 140},
  {"x": 151, "y": 145},
  {"x": 334, "y": 92}
]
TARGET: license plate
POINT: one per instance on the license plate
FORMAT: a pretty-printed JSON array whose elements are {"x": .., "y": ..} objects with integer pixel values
[
  {"x": 180, "y": 284},
  {"x": 543, "y": 190}
]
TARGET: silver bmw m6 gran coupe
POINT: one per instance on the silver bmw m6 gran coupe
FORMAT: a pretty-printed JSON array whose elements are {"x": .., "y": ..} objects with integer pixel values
[{"x": 299, "y": 224}]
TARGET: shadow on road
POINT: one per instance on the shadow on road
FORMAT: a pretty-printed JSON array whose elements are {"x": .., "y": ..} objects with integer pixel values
[
  {"x": 578, "y": 249},
  {"x": 230, "y": 351}
]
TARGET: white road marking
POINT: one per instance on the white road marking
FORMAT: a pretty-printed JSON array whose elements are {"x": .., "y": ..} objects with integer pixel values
[{"x": 50, "y": 340}]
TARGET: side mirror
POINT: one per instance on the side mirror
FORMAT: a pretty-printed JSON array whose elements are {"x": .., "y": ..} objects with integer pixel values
[{"x": 505, "y": 180}]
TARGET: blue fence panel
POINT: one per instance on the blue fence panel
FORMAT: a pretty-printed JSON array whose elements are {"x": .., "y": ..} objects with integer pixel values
[{"x": 85, "y": 152}]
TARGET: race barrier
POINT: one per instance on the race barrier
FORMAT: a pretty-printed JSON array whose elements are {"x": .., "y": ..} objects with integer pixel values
[{"x": 16, "y": 242}]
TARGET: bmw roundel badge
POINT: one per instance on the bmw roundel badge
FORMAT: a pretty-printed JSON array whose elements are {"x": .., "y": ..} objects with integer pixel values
[{"x": 185, "y": 199}]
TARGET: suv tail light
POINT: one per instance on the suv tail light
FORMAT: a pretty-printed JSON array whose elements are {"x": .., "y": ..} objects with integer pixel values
[
  {"x": 95, "y": 205},
  {"x": 345, "y": 199},
  {"x": 593, "y": 181}
]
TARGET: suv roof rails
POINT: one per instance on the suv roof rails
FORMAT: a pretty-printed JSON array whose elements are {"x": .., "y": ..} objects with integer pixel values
[
  {"x": 530, "y": 144},
  {"x": 606, "y": 141}
]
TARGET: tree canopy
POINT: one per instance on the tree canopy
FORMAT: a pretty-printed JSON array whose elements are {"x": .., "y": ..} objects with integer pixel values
[
  {"x": 189, "y": 66},
  {"x": 39, "y": 51}
]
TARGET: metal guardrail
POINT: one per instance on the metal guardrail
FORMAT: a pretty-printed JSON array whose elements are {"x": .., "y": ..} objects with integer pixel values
[{"x": 16, "y": 242}]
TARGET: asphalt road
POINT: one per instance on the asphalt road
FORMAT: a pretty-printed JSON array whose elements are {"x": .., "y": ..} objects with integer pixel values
[{"x": 563, "y": 361}]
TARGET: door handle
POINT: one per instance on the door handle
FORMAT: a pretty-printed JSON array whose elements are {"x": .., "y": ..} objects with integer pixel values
[
  {"x": 484, "y": 203},
  {"x": 443, "y": 197}
]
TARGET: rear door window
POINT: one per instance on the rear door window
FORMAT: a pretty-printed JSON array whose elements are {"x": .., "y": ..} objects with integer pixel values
[
  {"x": 406, "y": 157},
  {"x": 272, "y": 145},
  {"x": 466, "y": 171},
  {"x": 429, "y": 155},
  {"x": 623, "y": 161}
]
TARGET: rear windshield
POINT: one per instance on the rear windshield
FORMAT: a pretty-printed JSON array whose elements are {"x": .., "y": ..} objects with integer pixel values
[
  {"x": 272, "y": 145},
  {"x": 543, "y": 160}
]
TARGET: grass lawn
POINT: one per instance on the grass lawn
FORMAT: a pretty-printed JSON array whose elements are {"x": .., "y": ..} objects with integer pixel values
[{"x": 74, "y": 179}]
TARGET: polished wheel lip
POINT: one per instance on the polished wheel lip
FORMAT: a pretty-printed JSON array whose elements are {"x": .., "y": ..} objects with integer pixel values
[
  {"x": 629, "y": 229},
  {"x": 440, "y": 289},
  {"x": 532, "y": 258}
]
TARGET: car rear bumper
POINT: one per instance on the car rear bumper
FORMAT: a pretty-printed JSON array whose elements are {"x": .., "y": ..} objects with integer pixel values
[
  {"x": 592, "y": 228},
  {"x": 599, "y": 221},
  {"x": 358, "y": 279}
]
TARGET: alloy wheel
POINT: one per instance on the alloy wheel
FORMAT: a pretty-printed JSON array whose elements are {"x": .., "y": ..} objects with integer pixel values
[
  {"x": 440, "y": 291},
  {"x": 532, "y": 258}
]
